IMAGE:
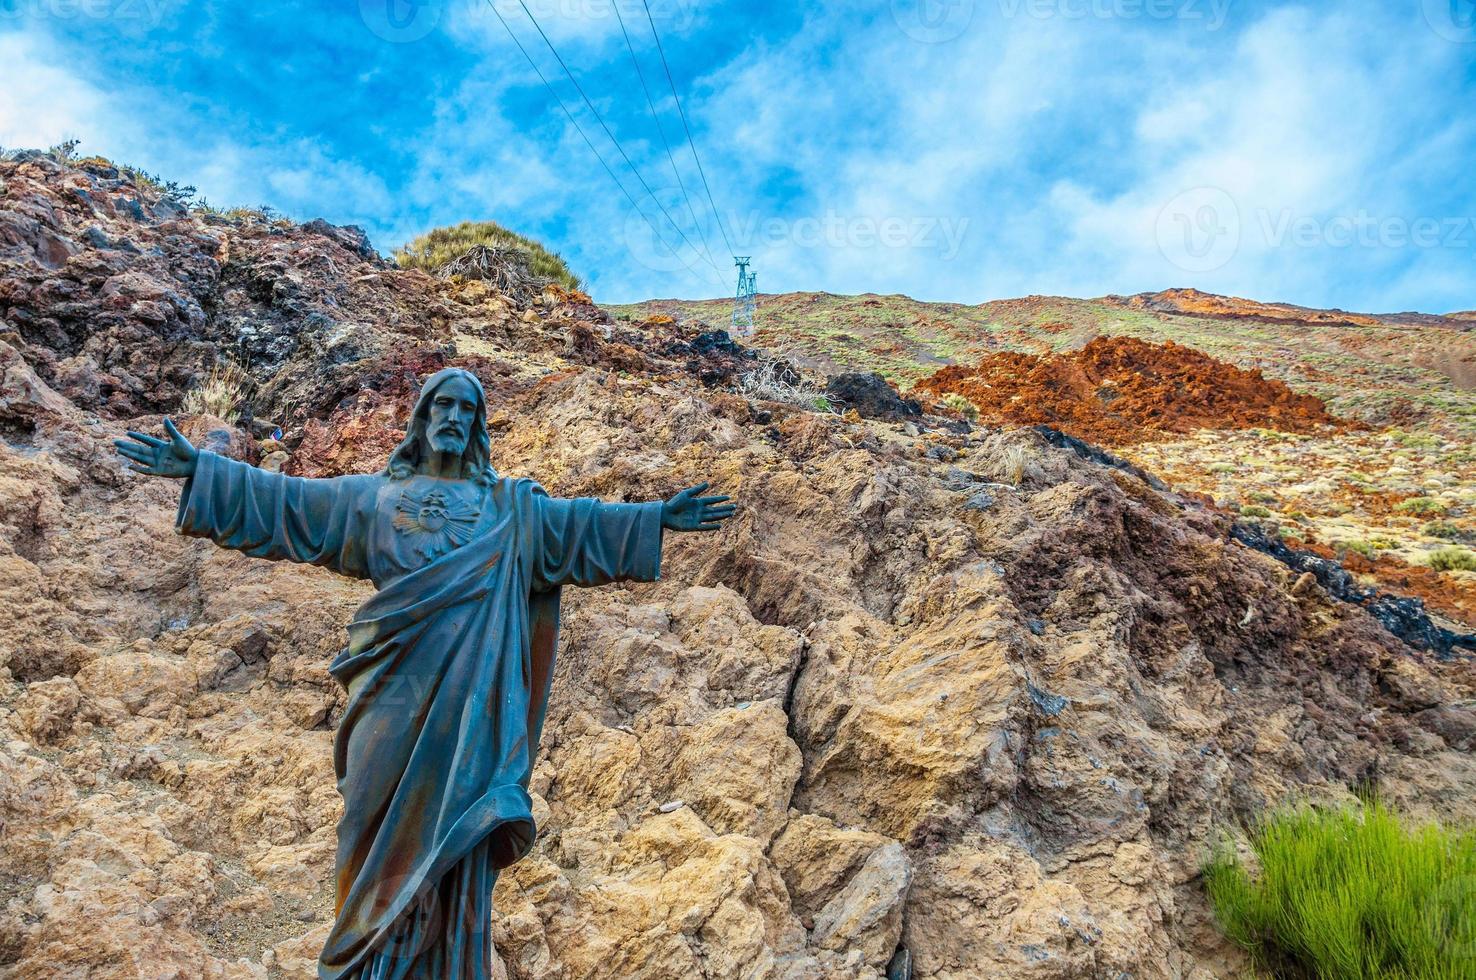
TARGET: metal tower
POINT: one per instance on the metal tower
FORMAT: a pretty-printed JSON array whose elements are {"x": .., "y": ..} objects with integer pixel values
[{"x": 743, "y": 302}]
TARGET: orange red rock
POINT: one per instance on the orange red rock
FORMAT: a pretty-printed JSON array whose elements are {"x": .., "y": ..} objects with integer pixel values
[{"x": 1119, "y": 391}]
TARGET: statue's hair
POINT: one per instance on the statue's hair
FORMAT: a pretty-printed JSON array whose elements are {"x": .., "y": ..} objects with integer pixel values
[{"x": 476, "y": 459}]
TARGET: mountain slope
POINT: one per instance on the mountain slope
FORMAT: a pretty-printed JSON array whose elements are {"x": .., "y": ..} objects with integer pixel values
[
  {"x": 964, "y": 700},
  {"x": 1417, "y": 358},
  {"x": 1392, "y": 490}
]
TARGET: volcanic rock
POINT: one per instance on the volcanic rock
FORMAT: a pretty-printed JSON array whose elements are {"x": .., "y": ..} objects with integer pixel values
[
  {"x": 870, "y": 395},
  {"x": 1120, "y": 390}
]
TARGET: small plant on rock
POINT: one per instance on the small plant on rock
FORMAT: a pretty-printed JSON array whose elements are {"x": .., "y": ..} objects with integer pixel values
[
  {"x": 961, "y": 405},
  {"x": 219, "y": 394},
  {"x": 1442, "y": 529},
  {"x": 65, "y": 151}
]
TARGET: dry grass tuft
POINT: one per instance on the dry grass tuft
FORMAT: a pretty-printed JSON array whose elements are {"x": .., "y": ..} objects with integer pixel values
[
  {"x": 776, "y": 381},
  {"x": 220, "y": 394},
  {"x": 1014, "y": 464}
]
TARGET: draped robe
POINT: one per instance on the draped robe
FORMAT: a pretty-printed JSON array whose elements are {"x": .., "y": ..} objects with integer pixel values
[{"x": 447, "y": 670}]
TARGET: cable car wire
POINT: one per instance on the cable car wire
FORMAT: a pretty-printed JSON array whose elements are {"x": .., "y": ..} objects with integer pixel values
[
  {"x": 600, "y": 119},
  {"x": 656, "y": 118},
  {"x": 652, "y": 21},
  {"x": 587, "y": 142}
]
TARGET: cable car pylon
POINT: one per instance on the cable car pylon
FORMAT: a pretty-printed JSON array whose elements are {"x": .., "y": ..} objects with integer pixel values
[{"x": 743, "y": 301}]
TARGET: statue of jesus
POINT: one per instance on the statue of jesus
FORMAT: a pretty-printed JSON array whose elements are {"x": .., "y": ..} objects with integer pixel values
[{"x": 447, "y": 666}]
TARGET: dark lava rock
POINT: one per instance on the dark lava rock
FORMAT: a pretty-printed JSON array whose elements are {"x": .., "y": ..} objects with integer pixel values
[
  {"x": 942, "y": 453},
  {"x": 715, "y": 358},
  {"x": 718, "y": 341},
  {"x": 1404, "y": 617},
  {"x": 983, "y": 500},
  {"x": 870, "y": 395}
]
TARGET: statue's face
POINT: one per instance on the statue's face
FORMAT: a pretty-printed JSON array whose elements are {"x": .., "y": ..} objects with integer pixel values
[{"x": 452, "y": 411}]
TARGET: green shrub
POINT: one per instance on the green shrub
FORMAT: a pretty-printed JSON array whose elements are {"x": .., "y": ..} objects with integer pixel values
[
  {"x": 1421, "y": 506},
  {"x": 435, "y": 248},
  {"x": 961, "y": 405},
  {"x": 1442, "y": 529},
  {"x": 182, "y": 195},
  {"x": 1351, "y": 893},
  {"x": 1364, "y": 548},
  {"x": 1222, "y": 468},
  {"x": 1417, "y": 440},
  {"x": 1254, "y": 510},
  {"x": 1452, "y": 559}
]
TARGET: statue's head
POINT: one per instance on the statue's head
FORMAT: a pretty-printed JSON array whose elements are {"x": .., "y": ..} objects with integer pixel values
[{"x": 450, "y": 417}]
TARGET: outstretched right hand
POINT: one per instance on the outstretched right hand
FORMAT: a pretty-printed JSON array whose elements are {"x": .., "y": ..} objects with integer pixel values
[{"x": 173, "y": 457}]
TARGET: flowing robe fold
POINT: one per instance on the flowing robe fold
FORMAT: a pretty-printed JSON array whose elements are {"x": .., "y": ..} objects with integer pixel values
[{"x": 447, "y": 670}]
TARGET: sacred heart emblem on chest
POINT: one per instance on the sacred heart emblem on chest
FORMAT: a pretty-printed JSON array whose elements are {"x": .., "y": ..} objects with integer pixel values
[{"x": 436, "y": 520}]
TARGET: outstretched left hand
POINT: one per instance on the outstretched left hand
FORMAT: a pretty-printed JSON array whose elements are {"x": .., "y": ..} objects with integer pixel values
[{"x": 686, "y": 511}]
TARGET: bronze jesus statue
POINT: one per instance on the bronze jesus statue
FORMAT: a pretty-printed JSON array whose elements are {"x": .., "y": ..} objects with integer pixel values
[{"x": 448, "y": 665}]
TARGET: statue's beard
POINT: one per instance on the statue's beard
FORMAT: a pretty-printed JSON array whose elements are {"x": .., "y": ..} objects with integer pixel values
[{"x": 448, "y": 443}]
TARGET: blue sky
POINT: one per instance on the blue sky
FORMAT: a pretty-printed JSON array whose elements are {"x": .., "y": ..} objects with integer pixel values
[{"x": 960, "y": 150}]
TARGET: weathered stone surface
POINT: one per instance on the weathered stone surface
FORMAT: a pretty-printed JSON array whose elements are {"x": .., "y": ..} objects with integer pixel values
[{"x": 866, "y": 715}]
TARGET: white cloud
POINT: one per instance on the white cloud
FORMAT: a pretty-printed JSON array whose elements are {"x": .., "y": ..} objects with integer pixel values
[
  {"x": 41, "y": 104},
  {"x": 1298, "y": 128},
  {"x": 44, "y": 103}
]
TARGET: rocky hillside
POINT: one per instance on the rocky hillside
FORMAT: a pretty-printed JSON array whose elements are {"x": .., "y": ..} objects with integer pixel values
[
  {"x": 1425, "y": 360},
  {"x": 1370, "y": 456},
  {"x": 942, "y": 701}
]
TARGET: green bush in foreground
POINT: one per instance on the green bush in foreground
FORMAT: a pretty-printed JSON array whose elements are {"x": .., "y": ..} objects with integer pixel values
[
  {"x": 1351, "y": 893},
  {"x": 435, "y": 248}
]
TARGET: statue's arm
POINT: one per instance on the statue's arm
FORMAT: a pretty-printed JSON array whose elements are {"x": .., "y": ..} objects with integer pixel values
[
  {"x": 266, "y": 515},
  {"x": 584, "y": 541}
]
